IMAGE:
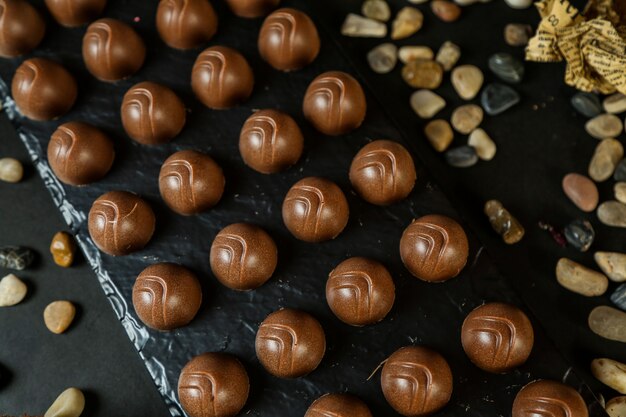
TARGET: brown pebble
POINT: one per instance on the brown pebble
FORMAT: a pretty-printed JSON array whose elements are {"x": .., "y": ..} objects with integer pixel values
[
  {"x": 63, "y": 249},
  {"x": 581, "y": 190},
  {"x": 466, "y": 118},
  {"x": 445, "y": 10},
  {"x": 58, "y": 316},
  {"x": 423, "y": 73},
  {"x": 503, "y": 222},
  {"x": 439, "y": 134},
  {"x": 580, "y": 279},
  {"x": 517, "y": 34}
]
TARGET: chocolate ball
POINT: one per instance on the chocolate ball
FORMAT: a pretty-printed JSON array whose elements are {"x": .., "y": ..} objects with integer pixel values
[
  {"x": 416, "y": 381},
  {"x": 270, "y": 141},
  {"x": 112, "y": 50},
  {"x": 549, "y": 398},
  {"x": 72, "y": 13},
  {"x": 21, "y": 28},
  {"x": 152, "y": 114},
  {"x": 497, "y": 337},
  {"x": 79, "y": 153},
  {"x": 334, "y": 103},
  {"x": 191, "y": 182},
  {"x": 221, "y": 77},
  {"x": 315, "y": 209},
  {"x": 43, "y": 89},
  {"x": 434, "y": 248},
  {"x": 120, "y": 223},
  {"x": 338, "y": 405},
  {"x": 360, "y": 291},
  {"x": 290, "y": 343},
  {"x": 186, "y": 24},
  {"x": 252, "y": 8},
  {"x": 288, "y": 40},
  {"x": 166, "y": 296},
  {"x": 383, "y": 172},
  {"x": 243, "y": 256},
  {"x": 213, "y": 385}
]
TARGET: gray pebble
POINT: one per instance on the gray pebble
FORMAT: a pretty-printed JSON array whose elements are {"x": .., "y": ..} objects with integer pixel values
[
  {"x": 506, "y": 67},
  {"x": 496, "y": 98},
  {"x": 587, "y": 104},
  {"x": 15, "y": 257},
  {"x": 619, "y": 297},
  {"x": 461, "y": 157},
  {"x": 579, "y": 234},
  {"x": 620, "y": 171}
]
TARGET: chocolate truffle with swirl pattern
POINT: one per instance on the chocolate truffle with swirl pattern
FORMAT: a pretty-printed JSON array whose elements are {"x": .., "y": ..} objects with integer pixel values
[
  {"x": 335, "y": 103},
  {"x": 252, "y": 8},
  {"x": 338, "y": 405},
  {"x": 288, "y": 40},
  {"x": 166, "y": 296},
  {"x": 383, "y": 172},
  {"x": 548, "y": 398},
  {"x": 120, "y": 223},
  {"x": 79, "y": 153},
  {"x": 185, "y": 24},
  {"x": 72, "y": 13},
  {"x": 21, "y": 28}
]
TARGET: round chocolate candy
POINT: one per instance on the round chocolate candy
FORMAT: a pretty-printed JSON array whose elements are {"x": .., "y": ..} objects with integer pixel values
[
  {"x": 549, "y": 398},
  {"x": 221, "y": 77},
  {"x": 338, "y": 405},
  {"x": 434, "y": 248},
  {"x": 416, "y": 381},
  {"x": 120, "y": 223},
  {"x": 270, "y": 141},
  {"x": 288, "y": 40},
  {"x": 152, "y": 114},
  {"x": 360, "y": 291},
  {"x": 21, "y": 28},
  {"x": 72, "y": 13},
  {"x": 191, "y": 182},
  {"x": 334, "y": 103},
  {"x": 213, "y": 385},
  {"x": 186, "y": 24},
  {"x": 112, "y": 50},
  {"x": 290, "y": 343},
  {"x": 243, "y": 256},
  {"x": 43, "y": 89},
  {"x": 315, "y": 209},
  {"x": 79, "y": 153},
  {"x": 166, "y": 296},
  {"x": 497, "y": 337},
  {"x": 383, "y": 172},
  {"x": 252, "y": 8}
]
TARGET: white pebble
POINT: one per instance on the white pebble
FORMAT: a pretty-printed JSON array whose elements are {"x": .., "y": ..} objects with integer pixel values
[
  {"x": 70, "y": 403},
  {"x": 12, "y": 290},
  {"x": 407, "y": 54},
  {"x": 611, "y": 373},
  {"x": 376, "y": 9},
  {"x": 615, "y": 103},
  {"x": 426, "y": 103},
  {"x": 359, "y": 26},
  {"x": 11, "y": 170},
  {"x": 519, "y": 4},
  {"x": 484, "y": 145},
  {"x": 382, "y": 59},
  {"x": 616, "y": 407}
]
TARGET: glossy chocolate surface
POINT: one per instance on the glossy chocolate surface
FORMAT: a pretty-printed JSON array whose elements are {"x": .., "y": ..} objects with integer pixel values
[
  {"x": 315, "y": 209},
  {"x": 221, "y": 77},
  {"x": 72, "y": 13},
  {"x": 21, "y": 28},
  {"x": 270, "y": 141},
  {"x": 112, "y": 50},
  {"x": 338, "y": 405},
  {"x": 80, "y": 153},
  {"x": 213, "y": 385},
  {"x": 360, "y": 291},
  {"x": 383, "y": 172},
  {"x": 243, "y": 256},
  {"x": 288, "y": 40},
  {"x": 43, "y": 89},
  {"x": 290, "y": 343},
  {"x": 416, "y": 381},
  {"x": 434, "y": 248},
  {"x": 191, "y": 182},
  {"x": 252, "y": 8},
  {"x": 152, "y": 114},
  {"x": 185, "y": 24},
  {"x": 120, "y": 223},
  {"x": 549, "y": 398},
  {"x": 335, "y": 103},
  {"x": 166, "y": 296}
]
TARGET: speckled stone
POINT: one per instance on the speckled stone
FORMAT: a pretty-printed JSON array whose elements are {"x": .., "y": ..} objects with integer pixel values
[
  {"x": 619, "y": 297},
  {"x": 439, "y": 133},
  {"x": 376, "y": 9},
  {"x": 409, "y": 53},
  {"x": 497, "y": 98},
  {"x": 611, "y": 373},
  {"x": 12, "y": 291},
  {"x": 382, "y": 58},
  {"x": 461, "y": 157},
  {"x": 407, "y": 22},
  {"x": 503, "y": 222},
  {"x": 448, "y": 55},
  {"x": 581, "y": 191},
  {"x": 608, "y": 322},
  {"x": 423, "y": 73},
  {"x": 357, "y": 26},
  {"x": 613, "y": 264},
  {"x": 579, "y": 234},
  {"x": 466, "y": 118},
  {"x": 506, "y": 67},
  {"x": 587, "y": 104},
  {"x": 517, "y": 34},
  {"x": 580, "y": 279},
  {"x": 58, "y": 316},
  {"x": 467, "y": 81},
  {"x": 445, "y": 10},
  {"x": 605, "y": 158},
  {"x": 70, "y": 403},
  {"x": 426, "y": 103},
  {"x": 615, "y": 103},
  {"x": 604, "y": 126},
  {"x": 620, "y": 171},
  {"x": 11, "y": 170},
  {"x": 16, "y": 257},
  {"x": 619, "y": 189},
  {"x": 484, "y": 145},
  {"x": 616, "y": 407}
]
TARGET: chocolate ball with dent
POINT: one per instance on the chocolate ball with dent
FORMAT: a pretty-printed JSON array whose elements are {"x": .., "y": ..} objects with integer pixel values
[
  {"x": 120, "y": 223},
  {"x": 152, "y": 114},
  {"x": 166, "y": 296},
  {"x": 360, "y": 291},
  {"x": 288, "y": 40},
  {"x": 21, "y": 28},
  {"x": 213, "y": 385},
  {"x": 416, "y": 381},
  {"x": 270, "y": 141},
  {"x": 497, "y": 337},
  {"x": 243, "y": 256},
  {"x": 191, "y": 182},
  {"x": 221, "y": 77},
  {"x": 334, "y": 103},
  {"x": 43, "y": 89},
  {"x": 185, "y": 24},
  {"x": 73, "y": 13},
  {"x": 79, "y": 153},
  {"x": 290, "y": 343},
  {"x": 112, "y": 50},
  {"x": 434, "y": 248},
  {"x": 252, "y": 8},
  {"x": 545, "y": 397},
  {"x": 315, "y": 209},
  {"x": 338, "y": 405},
  {"x": 383, "y": 172}
]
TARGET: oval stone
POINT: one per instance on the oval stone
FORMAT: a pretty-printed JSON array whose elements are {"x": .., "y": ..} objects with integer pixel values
[
  {"x": 506, "y": 67},
  {"x": 613, "y": 264},
  {"x": 376, "y": 9},
  {"x": 466, "y": 118},
  {"x": 70, "y": 403},
  {"x": 361, "y": 27},
  {"x": 484, "y": 145},
  {"x": 605, "y": 158},
  {"x": 461, "y": 157},
  {"x": 407, "y": 22},
  {"x": 11, "y": 170},
  {"x": 467, "y": 81},
  {"x": 619, "y": 297},
  {"x": 382, "y": 59},
  {"x": 587, "y": 104},
  {"x": 615, "y": 103},
  {"x": 407, "y": 54},
  {"x": 581, "y": 190},
  {"x": 519, "y": 4},
  {"x": 448, "y": 55},
  {"x": 439, "y": 133},
  {"x": 426, "y": 103},
  {"x": 423, "y": 73},
  {"x": 608, "y": 322},
  {"x": 580, "y": 279},
  {"x": 604, "y": 126},
  {"x": 58, "y": 316},
  {"x": 612, "y": 213},
  {"x": 611, "y": 373},
  {"x": 497, "y": 98},
  {"x": 616, "y": 407},
  {"x": 579, "y": 234},
  {"x": 619, "y": 189},
  {"x": 517, "y": 34},
  {"x": 12, "y": 291},
  {"x": 445, "y": 10}
]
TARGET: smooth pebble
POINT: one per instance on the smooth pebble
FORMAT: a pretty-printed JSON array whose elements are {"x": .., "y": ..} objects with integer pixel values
[
  {"x": 497, "y": 98},
  {"x": 581, "y": 191},
  {"x": 484, "y": 145},
  {"x": 467, "y": 81},
  {"x": 361, "y": 27},
  {"x": 423, "y": 73},
  {"x": 448, "y": 55},
  {"x": 619, "y": 189},
  {"x": 613, "y": 264},
  {"x": 616, "y": 407},
  {"x": 604, "y": 126},
  {"x": 439, "y": 133},
  {"x": 58, "y": 316},
  {"x": 517, "y": 34},
  {"x": 503, "y": 222},
  {"x": 506, "y": 67},
  {"x": 587, "y": 104},
  {"x": 426, "y": 103},
  {"x": 466, "y": 118},
  {"x": 619, "y": 297},
  {"x": 608, "y": 322},
  {"x": 579, "y": 234},
  {"x": 382, "y": 59},
  {"x": 409, "y": 53},
  {"x": 615, "y": 103},
  {"x": 580, "y": 279},
  {"x": 611, "y": 373},
  {"x": 605, "y": 158},
  {"x": 11, "y": 170},
  {"x": 620, "y": 171},
  {"x": 407, "y": 22},
  {"x": 12, "y": 291},
  {"x": 612, "y": 213},
  {"x": 519, "y": 4},
  {"x": 461, "y": 157},
  {"x": 63, "y": 249},
  {"x": 445, "y": 10},
  {"x": 376, "y": 9},
  {"x": 70, "y": 403}
]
